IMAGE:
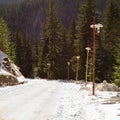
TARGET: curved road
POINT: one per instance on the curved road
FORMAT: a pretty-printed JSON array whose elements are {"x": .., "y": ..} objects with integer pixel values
[{"x": 35, "y": 100}]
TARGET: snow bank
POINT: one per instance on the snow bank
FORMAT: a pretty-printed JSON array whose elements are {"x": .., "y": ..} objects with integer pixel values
[
  {"x": 74, "y": 104},
  {"x": 105, "y": 86}
]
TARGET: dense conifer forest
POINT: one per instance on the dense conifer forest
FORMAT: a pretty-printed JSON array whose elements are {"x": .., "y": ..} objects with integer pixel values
[{"x": 43, "y": 37}]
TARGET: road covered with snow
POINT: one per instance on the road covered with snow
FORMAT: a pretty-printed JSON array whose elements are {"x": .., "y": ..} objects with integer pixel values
[{"x": 55, "y": 100}]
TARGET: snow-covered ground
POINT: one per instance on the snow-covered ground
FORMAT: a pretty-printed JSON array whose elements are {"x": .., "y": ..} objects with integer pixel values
[{"x": 55, "y": 100}]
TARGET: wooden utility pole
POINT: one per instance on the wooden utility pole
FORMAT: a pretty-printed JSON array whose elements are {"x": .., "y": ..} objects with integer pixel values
[
  {"x": 49, "y": 65},
  {"x": 86, "y": 73},
  {"x": 96, "y": 28},
  {"x": 68, "y": 74},
  {"x": 94, "y": 56},
  {"x": 77, "y": 67}
]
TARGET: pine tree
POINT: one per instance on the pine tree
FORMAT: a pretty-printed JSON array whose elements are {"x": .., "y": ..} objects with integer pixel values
[
  {"x": 71, "y": 48},
  {"x": 28, "y": 63},
  {"x": 18, "y": 48},
  {"x": 54, "y": 46},
  {"x": 24, "y": 54},
  {"x": 84, "y": 33},
  {"x": 44, "y": 42},
  {"x": 36, "y": 54},
  {"x": 52, "y": 41},
  {"x": 111, "y": 36},
  {"x": 116, "y": 74},
  {"x": 72, "y": 37},
  {"x": 64, "y": 55},
  {"x": 4, "y": 37}
]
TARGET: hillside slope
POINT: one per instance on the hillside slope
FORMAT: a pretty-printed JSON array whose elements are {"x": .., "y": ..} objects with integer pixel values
[{"x": 30, "y": 15}]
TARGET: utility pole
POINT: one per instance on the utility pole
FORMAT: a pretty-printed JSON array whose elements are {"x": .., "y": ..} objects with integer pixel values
[
  {"x": 96, "y": 27},
  {"x": 94, "y": 55},
  {"x": 49, "y": 65},
  {"x": 86, "y": 73},
  {"x": 68, "y": 73},
  {"x": 77, "y": 67}
]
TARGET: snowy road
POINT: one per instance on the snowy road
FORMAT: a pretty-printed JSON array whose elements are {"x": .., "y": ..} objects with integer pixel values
[
  {"x": 35, "y": 101},
  {"x": 55, "y": 100}
]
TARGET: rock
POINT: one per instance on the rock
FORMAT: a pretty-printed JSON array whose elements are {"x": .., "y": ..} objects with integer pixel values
[{"x": 9, "y": 72}]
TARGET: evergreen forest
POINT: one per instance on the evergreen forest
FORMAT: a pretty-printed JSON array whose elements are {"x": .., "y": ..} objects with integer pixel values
[{"x": 48, "y": 38}]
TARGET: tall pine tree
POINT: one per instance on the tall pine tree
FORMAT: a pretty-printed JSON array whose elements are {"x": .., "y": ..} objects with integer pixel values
[
  {"x": 84, "y": 33},
  {"x": 71, "y": 48},
  {"x": 4, "y": 37},
  {"x": 116, "y": 74},
  {"x": 51, "y": 43},
  {"x": 111, "y": 37},
  {"x": 24, "y": 54}
]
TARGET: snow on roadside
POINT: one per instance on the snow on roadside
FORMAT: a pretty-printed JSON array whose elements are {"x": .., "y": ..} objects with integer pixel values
[
  {"x": 78, "y": 104},
  {"x": 73, "y": 103}
]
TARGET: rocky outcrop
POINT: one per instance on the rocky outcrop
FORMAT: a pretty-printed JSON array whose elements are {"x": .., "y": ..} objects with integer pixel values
[{"x": 9, "y": 72}]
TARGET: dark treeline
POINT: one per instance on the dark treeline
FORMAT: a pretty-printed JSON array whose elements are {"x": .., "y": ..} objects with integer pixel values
[{"x": 47, "y": 34}]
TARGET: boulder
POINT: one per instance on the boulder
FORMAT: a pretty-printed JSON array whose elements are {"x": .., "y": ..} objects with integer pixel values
[{"x": 9, "y": 72}]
